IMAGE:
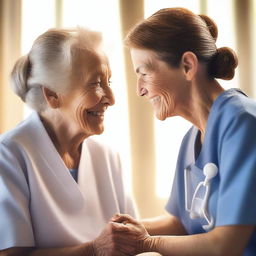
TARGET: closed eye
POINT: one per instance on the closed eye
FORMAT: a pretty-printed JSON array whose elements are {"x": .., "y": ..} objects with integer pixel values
[{"x": 98, "y": 83}]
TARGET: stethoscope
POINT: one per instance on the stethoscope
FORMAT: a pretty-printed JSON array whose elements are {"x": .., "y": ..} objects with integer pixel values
[{"x": 199, "y": 206}]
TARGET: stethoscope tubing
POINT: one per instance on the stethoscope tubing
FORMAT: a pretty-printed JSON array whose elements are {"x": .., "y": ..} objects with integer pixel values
[{"x": 210, "y": 171}]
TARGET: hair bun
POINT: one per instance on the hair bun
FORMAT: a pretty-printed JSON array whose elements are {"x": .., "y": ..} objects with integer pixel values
[
  {"x": 19, "y": 76},
  {"x": 224, "y": 63},
  {"x": 211, "y": 25}
]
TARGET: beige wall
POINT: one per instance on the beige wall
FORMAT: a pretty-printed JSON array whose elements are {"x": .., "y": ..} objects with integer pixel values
[{"x": 10, "y": 37}]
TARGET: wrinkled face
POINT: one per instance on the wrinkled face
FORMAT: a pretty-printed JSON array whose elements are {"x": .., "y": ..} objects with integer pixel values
[
  {"x": 159, "y": 82},
  {"x": 85, "y": 104}
]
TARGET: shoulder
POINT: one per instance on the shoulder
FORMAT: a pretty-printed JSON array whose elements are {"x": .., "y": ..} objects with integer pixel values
[
  {"x": 232, "y": 110},
  {"x": 12, "y": 146},
  {"x": 20, "y": 141},
  {"x": 24, "y": 130},
  {"x": 234, "y": 103}
]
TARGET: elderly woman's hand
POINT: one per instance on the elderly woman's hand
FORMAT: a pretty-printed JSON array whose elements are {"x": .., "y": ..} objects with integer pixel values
[
  {"x": 111, "y": 241},
  {"x": 134, "y": 236}
]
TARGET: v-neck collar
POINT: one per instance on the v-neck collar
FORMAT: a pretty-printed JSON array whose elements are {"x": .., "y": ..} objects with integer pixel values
[{"x": 51, "y": 156}]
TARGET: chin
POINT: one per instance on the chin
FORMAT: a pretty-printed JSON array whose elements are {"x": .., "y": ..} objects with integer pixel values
[
  {"x": 99, "y": 131},
  {"x": 160, "y": 117}
]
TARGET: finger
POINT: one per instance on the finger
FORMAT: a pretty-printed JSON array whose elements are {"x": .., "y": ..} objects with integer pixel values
[
  {"x": 116, "y": 216},
  {"x": 124, "y": 218},
  {"x": 119, "y": 227}
]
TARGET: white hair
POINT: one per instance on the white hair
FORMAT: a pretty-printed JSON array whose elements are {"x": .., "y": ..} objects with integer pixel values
[{"x": 50, "y": 62}]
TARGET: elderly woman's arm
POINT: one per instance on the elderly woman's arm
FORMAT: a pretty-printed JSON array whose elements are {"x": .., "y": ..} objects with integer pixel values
[
  {"x": 81, "y": 250},
  {"x": 103, "y": 245},
  {"x": 224, "y": 240}
]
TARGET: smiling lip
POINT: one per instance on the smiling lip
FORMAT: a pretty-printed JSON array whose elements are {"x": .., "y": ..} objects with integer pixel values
[
  {"x": 96, "y": 113},
  {"x": 154, "y": 99}
]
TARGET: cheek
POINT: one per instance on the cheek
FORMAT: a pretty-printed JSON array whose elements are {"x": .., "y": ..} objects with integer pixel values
[
  {"x": 158, "y": 87},
  {"x": 90, "y": 99},
  {"x": 166, "y": 104}
]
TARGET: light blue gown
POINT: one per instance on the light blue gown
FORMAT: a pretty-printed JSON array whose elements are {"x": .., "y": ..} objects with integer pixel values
[{"x": 229, "y": 143}]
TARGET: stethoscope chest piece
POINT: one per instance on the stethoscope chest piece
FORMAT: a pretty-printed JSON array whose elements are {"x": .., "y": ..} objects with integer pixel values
[{"x": 199, "y": 206}]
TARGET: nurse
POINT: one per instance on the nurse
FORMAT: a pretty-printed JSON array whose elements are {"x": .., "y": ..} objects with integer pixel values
[
  {"x": 59, "y": 187},
  {"x": 212, "y": 206}
]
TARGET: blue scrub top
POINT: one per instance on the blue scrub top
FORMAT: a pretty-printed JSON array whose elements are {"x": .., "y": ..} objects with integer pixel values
[{"x": 229, "y": 143}]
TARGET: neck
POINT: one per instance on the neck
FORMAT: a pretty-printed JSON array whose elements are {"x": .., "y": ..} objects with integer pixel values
[
  {"x": 202, "y": 97},
  {"x": 65, "y": 137}
]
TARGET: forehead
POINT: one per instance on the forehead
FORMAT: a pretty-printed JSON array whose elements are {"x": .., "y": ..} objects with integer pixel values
[
  {"x": 143, "y": 58},
  {"x": 142, "y": 55},
  {"x": 91, "y": 59},
  {"x": 88, "y": 63}
]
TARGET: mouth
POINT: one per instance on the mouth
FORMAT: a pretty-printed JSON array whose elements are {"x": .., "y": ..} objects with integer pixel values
[
  {"x": 96, "y": 113},
  {"x": 154, "y": 99}
]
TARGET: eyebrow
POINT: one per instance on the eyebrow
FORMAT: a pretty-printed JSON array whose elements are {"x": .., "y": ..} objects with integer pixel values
[
  {"x": 142, "y": 66},
  {"x": 138, "y": 69},
  {"x": 146, "y": 66}
]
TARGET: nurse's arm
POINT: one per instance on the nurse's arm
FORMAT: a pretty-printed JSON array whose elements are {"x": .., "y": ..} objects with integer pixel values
[
  {"x": 81, "y": 250},
  {"x": 164, "y": 225},
  {"x": 225, "y": 240}
]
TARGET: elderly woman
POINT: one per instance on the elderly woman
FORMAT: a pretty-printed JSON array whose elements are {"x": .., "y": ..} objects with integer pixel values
[
  {"x": 58, "y": 187},
  {"x": 212, "y": 206}
]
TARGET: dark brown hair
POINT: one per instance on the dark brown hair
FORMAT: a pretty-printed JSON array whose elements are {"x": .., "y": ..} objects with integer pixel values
[{"x": 172, "y": 31}]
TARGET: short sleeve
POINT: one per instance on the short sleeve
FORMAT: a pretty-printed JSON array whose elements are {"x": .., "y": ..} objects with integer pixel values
[
  {"x": 237, "y": 166},
  {"x": 15, "y": 222}
]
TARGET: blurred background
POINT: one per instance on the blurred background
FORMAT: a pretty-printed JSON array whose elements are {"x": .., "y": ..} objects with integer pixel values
[{"x": 148, "y": 147}]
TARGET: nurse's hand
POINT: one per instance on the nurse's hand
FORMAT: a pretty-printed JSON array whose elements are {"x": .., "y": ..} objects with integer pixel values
[{"x": 135, "y": 238}]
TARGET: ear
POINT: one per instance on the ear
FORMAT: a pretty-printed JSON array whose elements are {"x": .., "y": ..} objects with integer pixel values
[
  {"x": 189, "y": 64},
  {"x": 51, "y": 97}
]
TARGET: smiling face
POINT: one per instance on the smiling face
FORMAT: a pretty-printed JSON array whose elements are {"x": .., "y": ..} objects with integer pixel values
[
  {"x": 83, "y": 107},
  {"x": 160, "y": 83}
]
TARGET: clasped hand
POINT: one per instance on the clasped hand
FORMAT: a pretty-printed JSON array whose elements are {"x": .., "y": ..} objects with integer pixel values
[{"x": 122, "y": 236}]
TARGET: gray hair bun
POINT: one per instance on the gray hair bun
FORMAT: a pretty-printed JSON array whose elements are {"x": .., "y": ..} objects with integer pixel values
[{"x": 19, "y": 76}]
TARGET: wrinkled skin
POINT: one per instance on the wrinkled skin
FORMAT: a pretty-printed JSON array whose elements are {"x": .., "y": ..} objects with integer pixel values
[
  {"x": 118, "y": 239},
  {"x": 123, "y": 236},
  {"x": 165, "y": 87}
]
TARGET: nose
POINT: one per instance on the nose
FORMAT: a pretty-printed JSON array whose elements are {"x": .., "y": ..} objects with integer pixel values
[
  {"x": 108, "y": 96},
  {"x": 141, "y": 90}
]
